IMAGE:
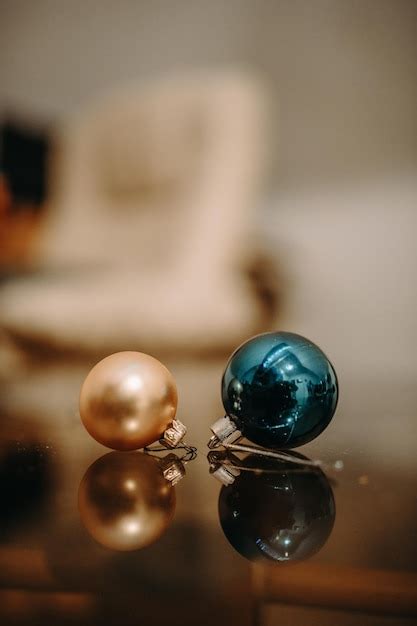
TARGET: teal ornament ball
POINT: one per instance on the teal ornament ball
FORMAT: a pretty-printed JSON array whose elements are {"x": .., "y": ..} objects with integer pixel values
[{"x": 280, "y": 389}]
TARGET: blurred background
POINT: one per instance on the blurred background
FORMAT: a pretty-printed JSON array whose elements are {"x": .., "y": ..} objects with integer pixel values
[
  {"x": 178, "y": 176},
  {"x": 283, "y": 134}
]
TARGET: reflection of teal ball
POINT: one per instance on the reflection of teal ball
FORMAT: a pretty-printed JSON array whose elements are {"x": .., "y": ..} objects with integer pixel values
[
  {"x": 280, "y": 389},
  {"x": 284, "y": 513}
]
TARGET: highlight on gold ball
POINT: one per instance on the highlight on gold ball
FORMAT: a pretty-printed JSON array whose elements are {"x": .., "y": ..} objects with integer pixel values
[
  {"x": 126, "y": 500},
  {"x": 129, "y": 401}
]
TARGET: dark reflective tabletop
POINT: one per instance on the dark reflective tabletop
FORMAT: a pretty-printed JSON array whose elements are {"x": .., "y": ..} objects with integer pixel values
[{"x": 92, "y": 537}]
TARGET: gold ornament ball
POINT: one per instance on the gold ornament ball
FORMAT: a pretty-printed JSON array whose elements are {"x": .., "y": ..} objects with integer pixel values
[
  {"x": 125, "y": 503},
  {"x": 128, "y": 400}
]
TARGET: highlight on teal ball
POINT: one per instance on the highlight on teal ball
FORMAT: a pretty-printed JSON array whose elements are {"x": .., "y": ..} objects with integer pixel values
[{"x": 280, "y": 389}]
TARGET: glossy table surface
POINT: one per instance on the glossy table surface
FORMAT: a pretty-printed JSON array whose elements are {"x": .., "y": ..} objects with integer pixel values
[{"x": 53, "y": 569}]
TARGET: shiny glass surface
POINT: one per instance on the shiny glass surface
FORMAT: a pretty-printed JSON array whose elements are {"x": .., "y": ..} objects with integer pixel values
[
  {"x": 281, "y": 390},
  {"x": 54, "y": 571}
]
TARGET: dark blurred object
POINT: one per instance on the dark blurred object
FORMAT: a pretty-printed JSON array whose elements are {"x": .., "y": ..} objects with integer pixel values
[
  {"x": 24, "y": 153},
  {"x": 23, "y": 163},
  {"x": 25, "y": 483}
]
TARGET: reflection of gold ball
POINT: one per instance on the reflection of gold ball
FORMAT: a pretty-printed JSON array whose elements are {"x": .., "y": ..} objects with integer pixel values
[
  {"x": 128, "y": 400},
  {"x": 124, "y": 500}
]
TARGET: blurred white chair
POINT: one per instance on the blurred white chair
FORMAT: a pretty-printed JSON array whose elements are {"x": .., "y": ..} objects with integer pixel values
[{"x": 151, "y": 227}]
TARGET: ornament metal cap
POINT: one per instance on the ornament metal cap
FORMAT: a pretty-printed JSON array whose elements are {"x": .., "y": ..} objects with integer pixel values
[
  {"x": 173, "y": 435},
  {"x": 224, "y": 432},
  {"x": 226, "y": 474},
  {"x": 172, "y": 468}
]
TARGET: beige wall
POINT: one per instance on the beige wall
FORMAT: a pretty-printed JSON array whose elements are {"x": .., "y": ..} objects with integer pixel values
[{"x": 342, "y": 72}]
